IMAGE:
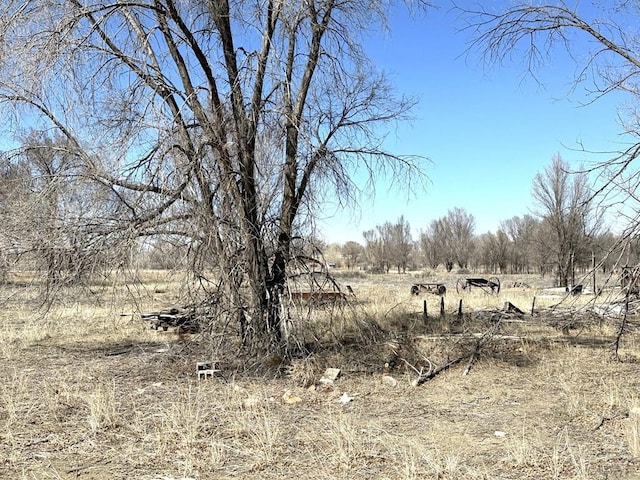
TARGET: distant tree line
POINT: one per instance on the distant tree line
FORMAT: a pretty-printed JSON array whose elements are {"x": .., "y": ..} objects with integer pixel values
[
  {"x": 60, "y": 237},
  {"x": 562, "y": 237}
]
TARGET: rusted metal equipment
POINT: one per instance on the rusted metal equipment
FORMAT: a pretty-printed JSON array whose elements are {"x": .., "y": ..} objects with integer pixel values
[
  {"x": 318, "y": 297},
  {"x": 435, "y": 288},
  {"x": 489, "y": 286}
]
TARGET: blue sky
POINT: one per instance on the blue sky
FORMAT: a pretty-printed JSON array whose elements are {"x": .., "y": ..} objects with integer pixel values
[{"x": 487, "y": 129}]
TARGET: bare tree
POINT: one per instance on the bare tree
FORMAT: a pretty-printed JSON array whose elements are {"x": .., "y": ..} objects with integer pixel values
[
  {"x": 390, "y": 244},
  {"x": 49, "y": 215},
  {"x": 502, "y": 248},
  {"x": 216, "y": 121},
  {"x": 429, "y": 247},
  {"x": 564, "y": 202},
  {"x": 377, "y": 247},
  {"x": 449, "y": 240},
  {"x": 520, "y": 231},
  {"x": 494, "y": 250},
  {"x": 401, "y": 244},
  {"x": 460, "y": 226},
  {"x": 15, "y": 183},
  {"x": 352, "y": 252},
  {"x": 606, "y": 246}
]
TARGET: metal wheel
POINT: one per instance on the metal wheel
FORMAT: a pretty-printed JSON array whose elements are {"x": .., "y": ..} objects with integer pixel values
[
  {"x": 415, "y": 289},
  {"x": 494, "y": 282},
  {"x": 461, "y": 285},
  {"x": 441, "y": 290}
]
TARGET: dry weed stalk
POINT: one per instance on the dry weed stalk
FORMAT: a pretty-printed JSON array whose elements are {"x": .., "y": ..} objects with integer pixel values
[
  {"x": 103, "y": 409},
  {"x": 633, "y": 431}
]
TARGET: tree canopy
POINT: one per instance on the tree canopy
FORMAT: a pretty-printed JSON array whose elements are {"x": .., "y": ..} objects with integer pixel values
[{"x": 221, "y": 123}]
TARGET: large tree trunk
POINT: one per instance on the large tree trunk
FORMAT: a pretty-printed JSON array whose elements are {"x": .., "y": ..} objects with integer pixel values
[{"x": 265, "y": 287}]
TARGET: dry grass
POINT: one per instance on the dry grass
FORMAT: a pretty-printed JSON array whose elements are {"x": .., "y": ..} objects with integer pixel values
[{"x": 89, "y": 393}]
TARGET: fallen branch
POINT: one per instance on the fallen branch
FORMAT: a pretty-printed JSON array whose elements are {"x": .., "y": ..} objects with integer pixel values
[
  {"x": 472, "y": 360},
  {"x": 37, "y": 441},
  {"x": 425, "y": 378},
  {"x": 473, "y": 356},
  {"x": 612, "y": 417},
  {"x": 80, "y": 468}
]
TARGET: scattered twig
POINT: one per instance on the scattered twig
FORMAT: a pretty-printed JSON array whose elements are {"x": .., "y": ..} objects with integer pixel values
[
  {"x": 425, "y": 378},
  {"x": 37, "y": 441},
  {"x": 612, "y": 417},
  {"x": 419, "y": 372},
  {"x": 80, "y": 468},
  {"x": 472, "y": 359}
]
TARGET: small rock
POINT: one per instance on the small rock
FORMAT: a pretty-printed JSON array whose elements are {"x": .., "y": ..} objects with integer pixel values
[
  {"x": 389, "y": 380},
  {"x": 330, "y": 375},
  {"x": 250, "y": 402},
  {"x": 290, "y": 398},
  {"x": 345, "y": 398}
]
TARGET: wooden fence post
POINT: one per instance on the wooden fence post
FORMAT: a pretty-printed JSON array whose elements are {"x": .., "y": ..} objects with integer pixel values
[
  {"x": 593, "y": 269},
  {"x": 533, "y": 304},
  {"x": 442, "y": 307},
  {"x": 424, "y": 311}
]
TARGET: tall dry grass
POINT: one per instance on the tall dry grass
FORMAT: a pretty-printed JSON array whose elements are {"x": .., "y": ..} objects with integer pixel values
[{"x": 88, "y": 390}]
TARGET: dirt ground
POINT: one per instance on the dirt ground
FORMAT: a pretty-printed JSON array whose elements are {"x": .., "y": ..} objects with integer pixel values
[{"x": 88, "y": 394}]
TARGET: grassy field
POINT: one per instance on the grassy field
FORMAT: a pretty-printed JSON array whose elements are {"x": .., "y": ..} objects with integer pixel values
[{"x": 89, "y": 391}]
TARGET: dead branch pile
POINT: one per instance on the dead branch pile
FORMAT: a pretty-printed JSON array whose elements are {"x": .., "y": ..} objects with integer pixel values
[
  {"x": 171, "y": 319},
  {"x": 465, "y": 346},
  {"x": 191, "y": 319}
]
